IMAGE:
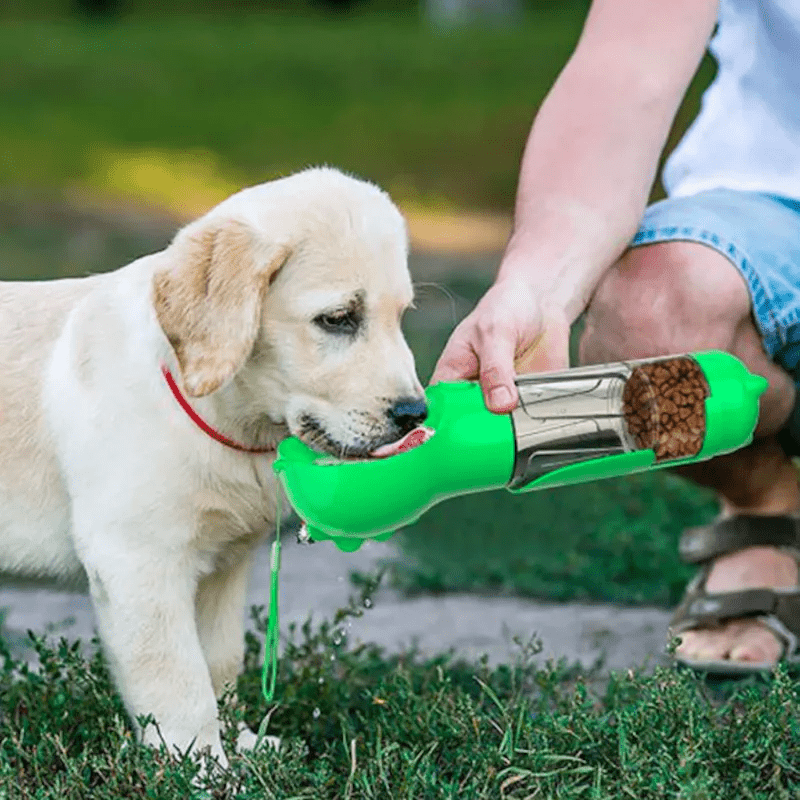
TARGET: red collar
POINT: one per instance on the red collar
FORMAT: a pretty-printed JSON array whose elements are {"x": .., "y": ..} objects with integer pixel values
[{"x": 201, "y": 423}]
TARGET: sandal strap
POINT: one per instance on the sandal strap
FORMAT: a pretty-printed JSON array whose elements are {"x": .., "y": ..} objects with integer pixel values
[
  {"x": 702, "y": 609},
  {"x": 705, "y": 543}
]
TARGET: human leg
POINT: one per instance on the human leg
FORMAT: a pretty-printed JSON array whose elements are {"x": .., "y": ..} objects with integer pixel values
[{"x": 681, "y": 296}]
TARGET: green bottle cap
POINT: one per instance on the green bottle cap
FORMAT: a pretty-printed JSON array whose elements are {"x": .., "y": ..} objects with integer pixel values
[{"x": 732, "y": 409}]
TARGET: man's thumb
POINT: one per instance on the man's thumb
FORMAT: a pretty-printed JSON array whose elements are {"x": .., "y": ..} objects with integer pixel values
[{"x": 499, "y": 389}]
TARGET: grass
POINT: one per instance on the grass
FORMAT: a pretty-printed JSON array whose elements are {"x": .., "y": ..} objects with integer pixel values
[
  {"x": 179, "y": 110},
  {"x": 170, "y": 106},
  {"x": 612, "y": 541},
  {"x": 355, "y": 723}
]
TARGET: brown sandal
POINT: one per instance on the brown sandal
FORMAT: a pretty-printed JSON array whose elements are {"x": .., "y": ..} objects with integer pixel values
[{"x": 776, "y": 609}]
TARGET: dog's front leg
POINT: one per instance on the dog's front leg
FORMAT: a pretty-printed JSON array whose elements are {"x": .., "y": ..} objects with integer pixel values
[
  {"x": 144, "y": 598},
  {"x": 220, "y": 605},
  {"x": 221, "y": 599}
]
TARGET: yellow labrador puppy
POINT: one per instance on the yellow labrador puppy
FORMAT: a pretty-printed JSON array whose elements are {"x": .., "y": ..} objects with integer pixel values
[{"x": 140, "y": 410}]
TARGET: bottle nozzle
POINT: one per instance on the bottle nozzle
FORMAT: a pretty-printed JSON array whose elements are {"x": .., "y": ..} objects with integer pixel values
[{"x": 756, "y": 384}]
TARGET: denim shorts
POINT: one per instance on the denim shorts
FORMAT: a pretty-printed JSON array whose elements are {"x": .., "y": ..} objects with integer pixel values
[{"x": 760, "y": 235}]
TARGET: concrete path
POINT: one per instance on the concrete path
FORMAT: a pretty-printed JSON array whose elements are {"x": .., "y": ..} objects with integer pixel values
[{"x": 315, "y": 580}]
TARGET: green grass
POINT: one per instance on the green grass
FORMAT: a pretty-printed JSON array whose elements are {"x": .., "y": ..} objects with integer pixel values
[
  {"x": 262, "y": 95},
  {"x": 356, "y": 723},
  {"x": 613, "y": 540},
  {"x": 180, "y": 110}
]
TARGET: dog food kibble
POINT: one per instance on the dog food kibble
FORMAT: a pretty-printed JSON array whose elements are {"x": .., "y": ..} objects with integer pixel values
[{"x": 664, "y": 407}]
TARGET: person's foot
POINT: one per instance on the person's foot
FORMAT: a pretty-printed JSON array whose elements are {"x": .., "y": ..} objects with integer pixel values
[
  {"x": 744, "y": 640},
  {"x": 758, "y": 480}
]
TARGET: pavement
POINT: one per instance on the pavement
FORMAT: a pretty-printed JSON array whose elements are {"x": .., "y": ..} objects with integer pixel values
[{"x": 315, "y": 581}]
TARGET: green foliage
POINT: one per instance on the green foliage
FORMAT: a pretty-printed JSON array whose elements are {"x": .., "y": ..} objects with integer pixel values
[
  {"x": 355, "y": 723},
  {"x": 260, "y": 96},
  {"x": 612, "y": 540},
  {"x": 64, "y": 733},
  {"x": 180, "y": 110},
  {"x": 128, "y": 8}
]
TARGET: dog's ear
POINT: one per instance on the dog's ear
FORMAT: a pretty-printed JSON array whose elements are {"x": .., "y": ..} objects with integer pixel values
[{"x": 209, "y": 301}]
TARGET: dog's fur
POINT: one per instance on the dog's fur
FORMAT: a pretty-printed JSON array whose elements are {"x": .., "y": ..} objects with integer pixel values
[{"x": 278, "y": 312}]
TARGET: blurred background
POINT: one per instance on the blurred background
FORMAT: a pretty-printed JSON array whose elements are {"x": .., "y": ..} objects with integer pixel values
[
  {"x": 122, "y": 119},
  {"x": 107, "y": 105}
]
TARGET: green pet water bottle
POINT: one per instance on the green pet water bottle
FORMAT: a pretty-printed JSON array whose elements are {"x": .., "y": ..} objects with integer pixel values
[{"x": 573, "y": 426}]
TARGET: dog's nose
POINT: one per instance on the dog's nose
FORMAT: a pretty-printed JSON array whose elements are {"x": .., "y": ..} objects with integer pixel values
[{"x": 408, "y": 412}]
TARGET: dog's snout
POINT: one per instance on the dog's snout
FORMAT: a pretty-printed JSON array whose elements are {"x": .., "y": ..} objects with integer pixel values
[{"x": 408, "y": 412}]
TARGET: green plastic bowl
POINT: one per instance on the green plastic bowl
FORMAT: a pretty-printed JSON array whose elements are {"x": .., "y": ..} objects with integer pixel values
[{"x": 348, "y": 501}]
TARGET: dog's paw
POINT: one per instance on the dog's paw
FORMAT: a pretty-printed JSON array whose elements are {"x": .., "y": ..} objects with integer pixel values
[{"x": 247, "y": 740}]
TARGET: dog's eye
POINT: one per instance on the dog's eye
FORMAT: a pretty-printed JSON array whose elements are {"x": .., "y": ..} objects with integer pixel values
[{"x": 339, "y": 321}]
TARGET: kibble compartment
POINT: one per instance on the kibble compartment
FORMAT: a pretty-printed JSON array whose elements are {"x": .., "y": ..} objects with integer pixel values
[
  {"x": 663, "y": 403},
  {"x": 587, "y": 413}
]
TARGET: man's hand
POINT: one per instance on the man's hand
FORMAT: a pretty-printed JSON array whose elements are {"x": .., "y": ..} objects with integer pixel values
[{"x": 508, "y": 333}]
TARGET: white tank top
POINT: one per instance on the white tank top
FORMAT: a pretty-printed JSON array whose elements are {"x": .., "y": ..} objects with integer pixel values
[{"x": 747, "y": 134}]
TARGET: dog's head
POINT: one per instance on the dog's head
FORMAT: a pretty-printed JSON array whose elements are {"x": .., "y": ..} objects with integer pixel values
[{"x": 292, "y": 293}]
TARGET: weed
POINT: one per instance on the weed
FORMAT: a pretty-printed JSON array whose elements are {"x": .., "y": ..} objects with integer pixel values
[{"x": 355, "y": 723}]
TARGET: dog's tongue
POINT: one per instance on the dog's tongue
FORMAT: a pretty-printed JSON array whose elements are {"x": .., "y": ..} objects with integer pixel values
[{"x": 412, "y": 439}]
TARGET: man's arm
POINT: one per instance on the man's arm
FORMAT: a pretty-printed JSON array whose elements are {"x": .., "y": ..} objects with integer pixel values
[
  {"x": 585, "y": 177},
  {"x": 593, "y": 151}
]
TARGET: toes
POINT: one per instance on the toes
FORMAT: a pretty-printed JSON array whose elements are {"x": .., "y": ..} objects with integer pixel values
[
  {"x": 758, "y": 646},
  {"x": 704, "y": 645},
  {"x": 743, "y": 641},
  {"x": 750, "y": 654}
]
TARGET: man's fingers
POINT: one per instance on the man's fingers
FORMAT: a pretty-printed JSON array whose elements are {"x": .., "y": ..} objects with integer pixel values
[
  {"x": 504, "y": 336},
  {"x": 499, "y": 393},
  {"x": 458, "y": 362}
]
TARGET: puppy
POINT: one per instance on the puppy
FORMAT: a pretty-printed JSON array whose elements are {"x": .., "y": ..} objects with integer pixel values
[{"x": 140, "y": 411}]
